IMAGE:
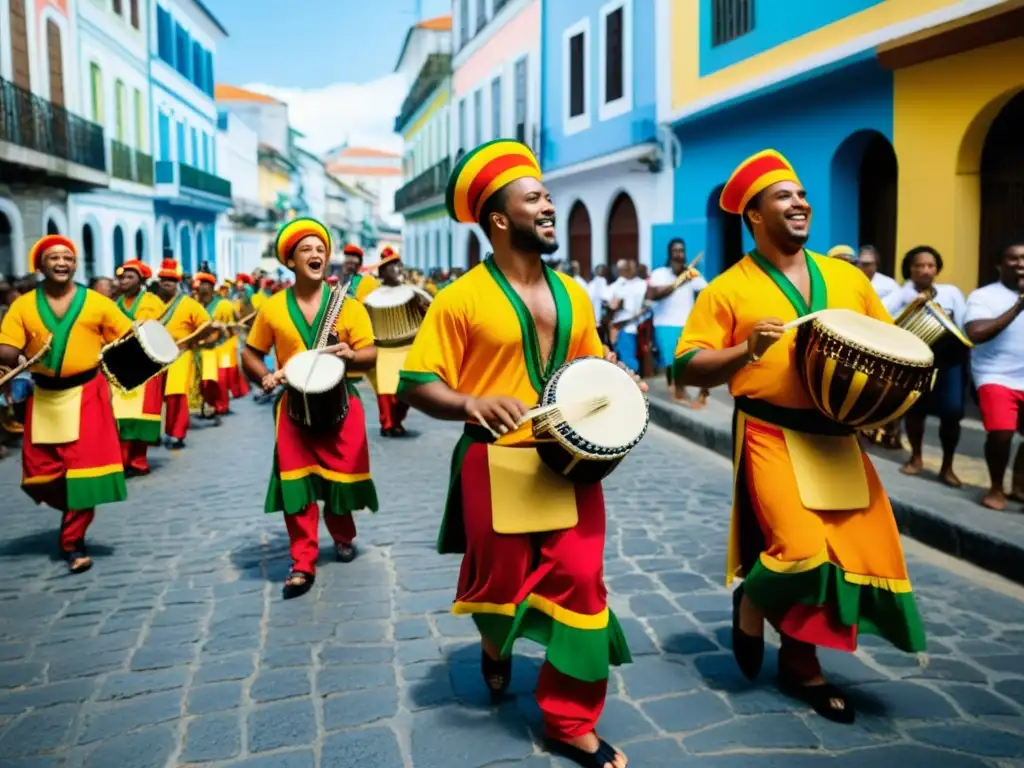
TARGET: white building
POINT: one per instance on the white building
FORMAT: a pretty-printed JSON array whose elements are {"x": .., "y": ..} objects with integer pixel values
[
  {"x": 240, "y": 239},
  {"x": 312, "y": 183},
  {"x": 116, "y": 224}
]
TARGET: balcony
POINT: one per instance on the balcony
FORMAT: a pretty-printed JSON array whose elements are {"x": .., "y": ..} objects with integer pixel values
[
  {"x": 42, "y": 142},
  {"x": 429, "y": 184},
  {"x": 129, "y": 164},
  {"x": 192, "y": 186},
  {"x": 437, "y": 67},
  {"x": 201, "y": 181}
]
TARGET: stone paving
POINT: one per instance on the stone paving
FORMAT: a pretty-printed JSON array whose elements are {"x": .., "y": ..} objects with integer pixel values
[{"x": 176, "y": 649}]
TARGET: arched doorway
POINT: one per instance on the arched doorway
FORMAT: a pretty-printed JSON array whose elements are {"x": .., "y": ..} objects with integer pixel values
[
  {"x": 185, "y": 250},
  {"x": 118, "y": 247},
  {"x": 52, "y": 228},
  {"x": 724, "y": 237},
  {"x": 623, "y": 230},
  {"x": 1002, "y": 186},
  {"x": 864, "y": 187},
  {"x": 89, "y": 251},
  {"x": 140, "y": 245},
  {"x": 579, "y": 238},
  {"x": 473, "y": 250},
  {"x": 200, "y": 248},
  {"x": 166, "y": 244},
  {"x": 6, "y": 247}
]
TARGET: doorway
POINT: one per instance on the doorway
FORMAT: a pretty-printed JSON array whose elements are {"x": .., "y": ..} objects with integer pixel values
[
  {"x": 1002, "y": 187},
  {"x": 623, "y": 230},
  {"x": 580, "y": 238}
]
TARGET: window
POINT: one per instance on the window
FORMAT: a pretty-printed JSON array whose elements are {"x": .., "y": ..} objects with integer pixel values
[
  {"x": 498, "y": 5},
  {"x": 198, "y": 60},
  {"x": 118, "y": 7},
  {"x": 463, "y": 22},
  {"x": 520, "y": 99},
  {"x": 164, "y": 129},
  {"x": 135, "y": 13},
  {"x": 575, "y": 77},
  {"x": 463, "y": 143},
  {"x": 208, "y": 69},
  {"x": 478, "y": 118},
  {"x": 120, "y": 106},
  {"x": 730, "y": 19},
  {"x": 195, "y": 148},
  {"x": 206, "y": 151},
  {"x": 96, "y": 89},
  {"x": 615, "y": 59},
  {"x": 481, "y": 14},
  {"x": 182, "y": 57},
  {"x": 181, "y": 142},
  {"x": 613, "y": 55},
  {"x": 496, "y": 107},
  {"x": 164, "y": 35},
  {"x": 140, "y": 123}
]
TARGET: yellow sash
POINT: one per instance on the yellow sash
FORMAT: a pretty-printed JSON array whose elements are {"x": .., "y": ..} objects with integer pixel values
[
  {"x": 179, "y": 375},
  {"x": 829, "y": 471},
  {"x": 384, "y": 376},
  {"x": 56, "y": 416},
  {"x": 526, "y": 496},
  {"x": 128, "y": 405},
  {"x": 209, "y": 359}
]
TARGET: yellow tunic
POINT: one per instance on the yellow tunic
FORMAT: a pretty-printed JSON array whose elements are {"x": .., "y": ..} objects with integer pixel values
[
  {"x": 183, "y": 316},
  {"x": 225, "y": 353}
]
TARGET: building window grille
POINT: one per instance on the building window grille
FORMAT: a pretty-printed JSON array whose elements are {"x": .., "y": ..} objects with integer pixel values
[
  {"x": 731, "y": 19},
  {"x": 577, "y": 52}
]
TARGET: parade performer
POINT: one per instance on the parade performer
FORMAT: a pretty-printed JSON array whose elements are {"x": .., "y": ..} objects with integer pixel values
[
  {"x": 819, "y": 575},
  {"x": 71, "y": 454},
  {"x": 183, "y": 317},
  {"x": 361, "y": 283},
  {"x": 220, "y": 356},
  {"x": 309, "y": 467},
  {"x": 483, "y": 354},
  {"x": 138, "y": 412}
]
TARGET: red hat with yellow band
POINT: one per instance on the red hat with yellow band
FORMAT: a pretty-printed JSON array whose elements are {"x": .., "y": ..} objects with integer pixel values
[
  {"x": 387, "y": 255},
  {"x": 137, "y": 266},
  {"x": 45, "y": 243},
  {"x": 169, "y": 270},
  {"x": 295, "y": 230},
  {"x": 754, "y": 175},
  {"x": 482, "y": 172},
  {"x": 205, "y": 277},
  {"x": 352, "y": 250},
  {"x": 244, "y": 278}
]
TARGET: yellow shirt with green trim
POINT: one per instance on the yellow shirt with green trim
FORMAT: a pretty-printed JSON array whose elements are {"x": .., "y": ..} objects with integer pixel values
[
  {"x": 145, "y": 306},
  {"x": 479, "y": 338},
  {"x": 91, "y": 322},
  {"x": 362, "y": 286},
  {"x": 753, "y": 289},
  {"x": 280, "y": 325},
  {"x": 186, "y": 315}
]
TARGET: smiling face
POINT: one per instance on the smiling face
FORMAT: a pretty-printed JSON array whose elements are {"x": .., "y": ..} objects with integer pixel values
[
  {"x": 58, "y": 264},
  {"x": 309, "y": 258},
  {"x": 783, "y": 215},
  {"x": 527, "y": 216},
  {"x": 1011, "y": 267}
]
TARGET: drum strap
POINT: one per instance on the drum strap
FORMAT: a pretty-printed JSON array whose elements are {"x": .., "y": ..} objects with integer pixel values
[
  {"x": 62, "y": 383},
  {"x": 805, "y": 420}
]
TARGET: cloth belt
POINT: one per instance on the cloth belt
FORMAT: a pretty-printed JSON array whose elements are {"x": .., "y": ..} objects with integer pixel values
[
  {"x": 62, "y": 383},
  {"x": 807, "y": 420}
]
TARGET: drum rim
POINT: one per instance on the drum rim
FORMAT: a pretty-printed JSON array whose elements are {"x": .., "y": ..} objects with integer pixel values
[
  {"x": 563, "y": 433},
  {"x": 389, "y": 289},
  {"x": 939, "y": 315},
  {"x": 138, "y": 329},
  {"x": 284, "y": 368},
  {"x": 825, "y": 330}
]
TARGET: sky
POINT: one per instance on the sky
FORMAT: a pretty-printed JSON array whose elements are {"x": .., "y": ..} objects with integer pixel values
[{"x": 333, "y": 67}]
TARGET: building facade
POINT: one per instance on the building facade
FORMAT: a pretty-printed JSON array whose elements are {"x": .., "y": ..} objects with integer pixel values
[
  {"x": 424, "y": 124},
  {"x": 496, "y": 76},
  {"x": 604, "y": 159},
  {"x": 115, "y": 224},
  {"x": 189, "y": 195},
  {"x": 377, "y": 175},
  {"x": 898, "y": 115},
  {"x": 48, "y": 148},
  {"x": 241, "y": 231}
]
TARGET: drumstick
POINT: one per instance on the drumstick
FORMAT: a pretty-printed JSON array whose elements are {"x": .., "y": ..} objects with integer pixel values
[
  {"x": 28, "y": 363},
  {"x": 567, "y": 411},
  {"x": 801, "y": 320},
  {"x": 683, "y": 279},
  {"x": 197, "y": 332}
]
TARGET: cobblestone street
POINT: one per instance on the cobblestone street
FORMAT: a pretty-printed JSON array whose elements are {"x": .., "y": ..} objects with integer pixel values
[{"x": 178, "y": 649}]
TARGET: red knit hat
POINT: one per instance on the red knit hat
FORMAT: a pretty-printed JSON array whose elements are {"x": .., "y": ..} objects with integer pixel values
[
  {"x": 143, "y": 271},
  {"x": 352, "y": 250},
  {"x": 205, "y": 277},
  {"x": 44, "y": 243},
  {"x": 169, "y": 270}
]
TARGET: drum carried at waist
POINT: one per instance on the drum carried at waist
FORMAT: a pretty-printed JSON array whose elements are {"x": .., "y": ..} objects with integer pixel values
[
  {"x": 590, "y": 416},
  {"x": 139, "y": 355},
  {"x": 316, "y": 396},
  {"x": 396, "y": 312},
  {"x": 927, "y": 320},
  {"x": 861, "y": 372}
]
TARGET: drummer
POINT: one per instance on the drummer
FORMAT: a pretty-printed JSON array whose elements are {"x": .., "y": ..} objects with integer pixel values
[
  {"x": 819, "y": 575},
  {"x": 220, "y": 355},
  {"x": 473, "y": 361},
  {"x": 920, "y": 268},
  {"x": 138, "y": 413},
  {"x": 333, "y": 468},
  {"x": 362, "y": 284},
  {"x": 392, "y": 410},
  {"x": 71, "y": 454}
]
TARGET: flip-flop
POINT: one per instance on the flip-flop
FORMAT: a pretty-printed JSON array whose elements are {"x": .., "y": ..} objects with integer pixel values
[
  {"x": 291, "y": 591},
  {"x": 75, "y": 561},
  {"x": 819, "y": 698},
  {"x": 605, "y": 754}
]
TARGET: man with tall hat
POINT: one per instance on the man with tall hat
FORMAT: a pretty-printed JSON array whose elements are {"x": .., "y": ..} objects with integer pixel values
[
  {"x": 818, "y": 569},
  {"x": 183, "y": 317},
  {"x": 488, "y": 345},
  {"x": 361, "y": 284},
  {"x": 138, "y": 412},
  {"x": 71, "y": 452},
  {"x": 220, "y": 355},
  {"x": 331, "y": 466}
]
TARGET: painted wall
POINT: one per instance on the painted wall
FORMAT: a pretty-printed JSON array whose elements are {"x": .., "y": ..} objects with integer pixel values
[
  {"x": 599, "y": 130},
  {"x": 237, "y": 159},
  {"x": 809, "y": 124},
  {"x": 270, "y": 121},
  {"x": 426, "y": 241},
  {"x": 104, "y": 212},
  {"x": 272, "y": 183},
  {"x": 943, "y": 110},
  {"x": 426, "y": 135}
]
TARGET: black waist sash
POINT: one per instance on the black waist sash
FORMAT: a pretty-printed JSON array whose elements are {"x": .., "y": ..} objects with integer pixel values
[
  {"x": 808, "y": 420},
  {"x": 62, "y": 383}
]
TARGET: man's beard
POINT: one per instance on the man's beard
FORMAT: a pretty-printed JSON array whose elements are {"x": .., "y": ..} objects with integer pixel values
[{"x": 527, "y": 241}]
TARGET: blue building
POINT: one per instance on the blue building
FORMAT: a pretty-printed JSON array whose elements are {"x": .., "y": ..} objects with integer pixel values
[
  {"x": 602, "y": 152},
  {"x": 188, "y": 192}
]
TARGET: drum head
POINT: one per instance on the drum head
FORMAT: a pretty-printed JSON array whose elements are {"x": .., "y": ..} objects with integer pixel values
[
  {"x": 868, "y": 333},
  {"x": 388, "y": 296},
  {"x": 158, "y": 342},
  {"x": 622, "y": 422},
  {"x": 312, "y": 372}
]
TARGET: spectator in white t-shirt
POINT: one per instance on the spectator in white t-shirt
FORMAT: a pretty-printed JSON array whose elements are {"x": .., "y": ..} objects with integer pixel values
[
  {"x": 626, "y": 300},
  {"x": 920, "y": 268},
  {"x": 576, "y": 274},
  {"x": 673, "y": 302},
  {"x": 995, "y": 323},
  {"x": 867, "y": 260}
]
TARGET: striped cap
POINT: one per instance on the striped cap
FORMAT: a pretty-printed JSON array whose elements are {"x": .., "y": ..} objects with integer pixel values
[
  {"x": 169, "y": 270},
  {"x": 753, "y": 175},
  {"x": 482, "y": 172},
  {"x": 44, "y": 243},
  {"x": 134, "y": 264},
  {"x": 291, "y": 233}
]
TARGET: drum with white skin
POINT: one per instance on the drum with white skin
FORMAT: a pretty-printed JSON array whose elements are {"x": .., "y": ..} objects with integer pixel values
[
  {"x": 142, "y": 353},
  {"x": 315, "y": 394},
  {"x": 396, "y": 312}
]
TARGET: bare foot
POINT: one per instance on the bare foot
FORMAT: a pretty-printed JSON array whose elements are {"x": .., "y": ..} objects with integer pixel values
[
  {"x": 912, "y": 467},
  {"x": 995, "y": 499},
  {"x": 699, "y": 403},
  {"x": 590, "y": 743},
  {"x": 948, "y": 477}
]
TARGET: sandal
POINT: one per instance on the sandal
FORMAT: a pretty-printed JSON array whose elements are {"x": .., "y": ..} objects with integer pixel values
[
  {"x": 820, "y": 698},
  {"x": 748, "y": 650},
  {"x": 345, "y": 553},
  {"x": 606, "y": 754},
  {"x": 496, "y": 671},
  {"x": 398, "y": 431},
  {"x": 78, "y": 561},
  {"x": 294, "y": 589}
]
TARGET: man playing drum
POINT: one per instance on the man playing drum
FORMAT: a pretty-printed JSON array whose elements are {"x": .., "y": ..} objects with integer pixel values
[
  {"x": 71, "y": 453},
  {"x": 218, "y": 360},
  {"x": 389, "y": 361},
  {"x": 332, "y": 467},
  {"x": 138, "y": 412},
  {"x": 486, "y": 348},
  {"x": 818, "y": 574},
  {"x": 362, "y": 284}
]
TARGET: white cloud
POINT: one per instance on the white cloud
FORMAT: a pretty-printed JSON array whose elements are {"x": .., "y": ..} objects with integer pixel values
[{"x": 363, "y": 114}]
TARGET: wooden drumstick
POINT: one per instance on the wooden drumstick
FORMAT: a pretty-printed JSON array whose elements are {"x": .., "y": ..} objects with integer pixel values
[
  {"x": 18, "y": 370},
  {"x": 569, "y": 411},
  {"x": 683, "y": 279},
  {"x": 801, "y": 320}
]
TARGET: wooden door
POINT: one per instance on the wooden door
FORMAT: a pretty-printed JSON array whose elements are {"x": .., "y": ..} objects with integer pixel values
[
  {"x": 580, "y": 238},
  {"x": 19, "y": 45},
  {"x": 1002, "y": 187},
  {"x": 623, "y": 230},
  {"x": 877, "y": 204}
]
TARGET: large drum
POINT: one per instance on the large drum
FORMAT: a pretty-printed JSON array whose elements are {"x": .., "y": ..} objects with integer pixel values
[
  {"x": 397, "y": 312},
  {"x": 138, "y": 356},
  {"x": 315, "y": 391},
  {"x": 861, "y": 372},
  {"x": 591, "y": 415},
  {"x": 926, "y": 320}
]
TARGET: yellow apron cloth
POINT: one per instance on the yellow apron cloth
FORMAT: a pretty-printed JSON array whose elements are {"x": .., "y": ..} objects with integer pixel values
[
  {"x": 829, "y": 471},
  {"x": 128, "y": 405},
  {"x": 56, "y": 416},
  {"x": 384, "y": 376},
  {"x": 179, "y": 375},
  {"x": 526, "y": 496},
  {"x": 209, "y": 359}
]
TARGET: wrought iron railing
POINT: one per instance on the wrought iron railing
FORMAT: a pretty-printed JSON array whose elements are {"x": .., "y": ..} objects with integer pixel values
[
  {"x": 130, "y": 164},
  {"x": 32, "y": 122},
  {"x": 143, "y": 168},
  {"x": 430, "y": 183},
  {"x": 201, "y": 181}
]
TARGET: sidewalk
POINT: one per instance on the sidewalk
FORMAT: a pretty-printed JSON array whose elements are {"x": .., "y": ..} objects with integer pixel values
[{"x": 950, "y": 520}]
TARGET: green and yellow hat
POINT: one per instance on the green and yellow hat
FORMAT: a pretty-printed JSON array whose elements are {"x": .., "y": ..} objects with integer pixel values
[
  {"x": 482, "y": 172},
  {"x": 291, "y": 233}
]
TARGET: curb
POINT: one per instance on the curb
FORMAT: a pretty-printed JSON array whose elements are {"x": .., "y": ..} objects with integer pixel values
[{"x": 992, "y": 553}]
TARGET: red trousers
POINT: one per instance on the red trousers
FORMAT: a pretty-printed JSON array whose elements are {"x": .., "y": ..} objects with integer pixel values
[
  {"x": 217, "y": 394},
  {"x": 73, "y": 527},
  {"x": 133, "y": 455},
  {"x": 237, "y": 384},
  {"x": 176, "y": 417},
  {"x": 392, "y": 411},
  {"x": 571, "y": 708},
  {"x": 304, "y": 534}
]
